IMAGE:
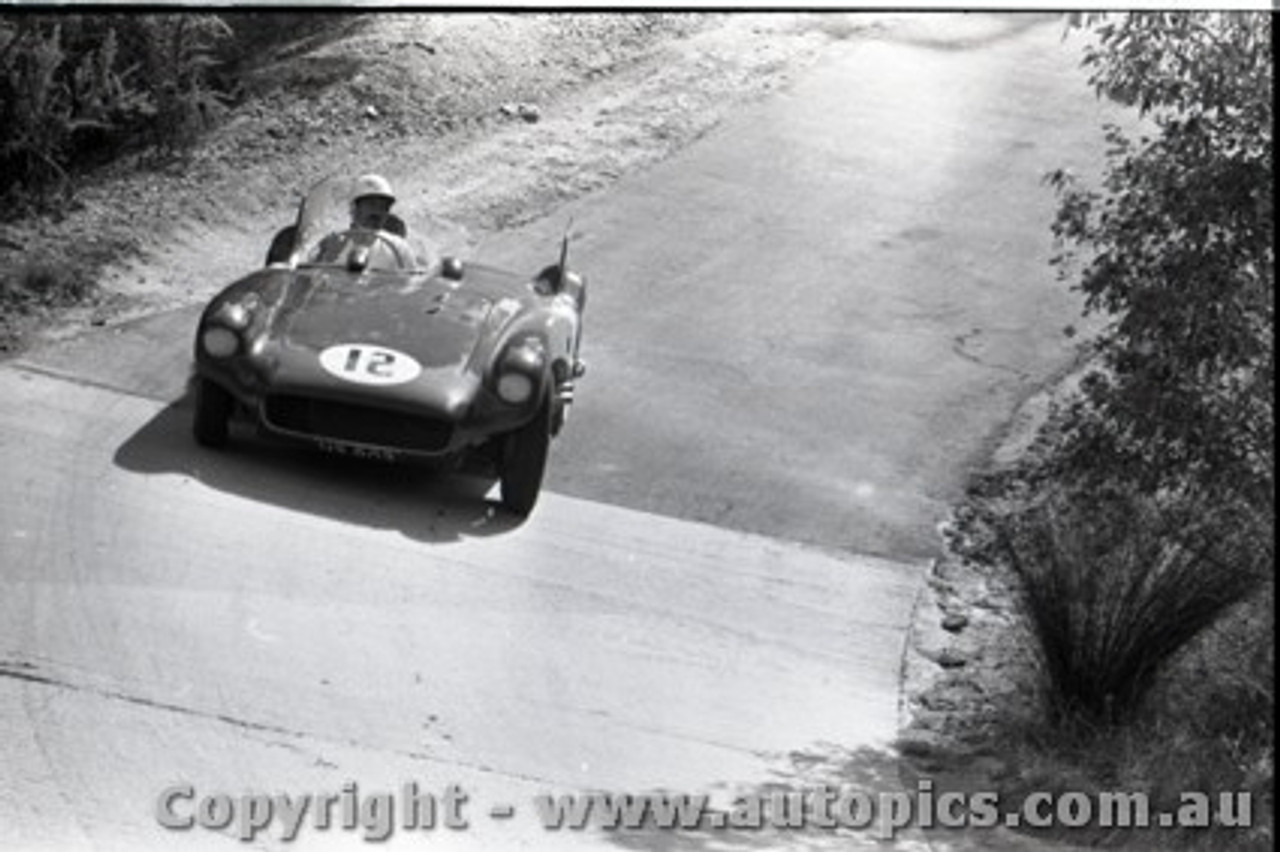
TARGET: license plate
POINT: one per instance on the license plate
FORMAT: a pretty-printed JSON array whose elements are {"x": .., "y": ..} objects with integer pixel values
[{"x": 356, "y": 451}]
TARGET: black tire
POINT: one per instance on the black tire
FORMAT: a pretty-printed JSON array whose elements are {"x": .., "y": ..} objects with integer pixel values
[
  {"x": 213, "y": 414},
  {"x": 559, "y": 414},
  {"x": 524, "y": 460}
]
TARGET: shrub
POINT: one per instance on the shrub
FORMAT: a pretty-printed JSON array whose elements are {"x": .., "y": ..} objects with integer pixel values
[
  {"x": 177, "y": 53},
  {"x": 1146, "y": 511},
  {"x": 1178, "y": 252},
  {"x": 1141, "y": 522},
  {"x": 87, "y": 86},
  {"x": 35, "y": 104},
  {"x": 1114, "y": 584},
  {"x": 44, "y": 284}
]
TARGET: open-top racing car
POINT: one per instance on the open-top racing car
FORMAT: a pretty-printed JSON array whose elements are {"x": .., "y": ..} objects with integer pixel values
[{"x": 362, "y": 342}]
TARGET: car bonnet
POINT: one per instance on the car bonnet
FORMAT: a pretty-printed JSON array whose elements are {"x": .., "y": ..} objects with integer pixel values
[{"x": 435, "y": 321}]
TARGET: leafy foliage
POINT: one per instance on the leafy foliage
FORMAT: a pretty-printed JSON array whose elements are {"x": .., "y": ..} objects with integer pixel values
[
  {"x": 1180, "y": 256},
  {"x": 177, "y": 53},
  {"x": 36, "y": 106},
  {"x": 84, "y": 86},
  {"x": 1145, "y": 511}
]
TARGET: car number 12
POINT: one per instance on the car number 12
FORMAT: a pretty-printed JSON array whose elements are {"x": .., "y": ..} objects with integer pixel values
[{"x": 368, "y": 364}]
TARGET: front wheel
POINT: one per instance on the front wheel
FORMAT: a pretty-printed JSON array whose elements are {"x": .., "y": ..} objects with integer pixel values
[
  {"x": 213, "y": 412},
  {"x": 524, "y": 460}
]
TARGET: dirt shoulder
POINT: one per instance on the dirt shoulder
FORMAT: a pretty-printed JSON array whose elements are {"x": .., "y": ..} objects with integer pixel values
[
  {"x": 969, "y": 669},
  {"x": 482, "y": 121}
]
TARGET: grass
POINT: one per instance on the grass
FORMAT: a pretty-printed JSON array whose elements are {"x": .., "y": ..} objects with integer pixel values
[
  {"x": 1164, "y": 753},
  {"x": 42, "y": 278},
  {"x": 47, "y": 283}
]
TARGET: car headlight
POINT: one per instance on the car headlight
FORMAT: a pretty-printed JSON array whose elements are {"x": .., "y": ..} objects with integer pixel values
[
  {"x": 515, "y": 388},
  {"x": 519, "y": 370},
  {"x": 220, "y": 342}
]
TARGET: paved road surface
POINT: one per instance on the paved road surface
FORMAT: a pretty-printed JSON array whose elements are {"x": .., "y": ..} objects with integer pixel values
[
  {"x": 814, "y": 322},
  {"x": 802, "y": 330}
]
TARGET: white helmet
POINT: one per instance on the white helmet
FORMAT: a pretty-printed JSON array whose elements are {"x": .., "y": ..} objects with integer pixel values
[{"x": 372, "y": 185}]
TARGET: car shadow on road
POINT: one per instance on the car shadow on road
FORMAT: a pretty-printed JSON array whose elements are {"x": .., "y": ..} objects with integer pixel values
[
  {"x": 420, "y": 503},
  {"x": 821, "y": 769}
]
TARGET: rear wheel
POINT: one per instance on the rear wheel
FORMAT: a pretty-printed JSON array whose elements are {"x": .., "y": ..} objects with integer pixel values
[
  {"x": 524, "y": 460},
  {"x": 213, "y": 413}
]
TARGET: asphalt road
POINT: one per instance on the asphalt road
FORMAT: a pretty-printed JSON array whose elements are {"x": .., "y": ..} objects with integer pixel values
[
  {"x": 812, "y": 324},
  {"x": 802, "y": 330}
]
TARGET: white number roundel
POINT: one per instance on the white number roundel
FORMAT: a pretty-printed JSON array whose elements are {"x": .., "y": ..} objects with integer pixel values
[{"x": 367, "y": 364}]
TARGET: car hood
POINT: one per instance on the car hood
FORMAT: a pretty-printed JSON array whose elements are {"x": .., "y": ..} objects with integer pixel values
[
  {"x": 450, "y": 327},
  {"x": 438, "y": 322}
]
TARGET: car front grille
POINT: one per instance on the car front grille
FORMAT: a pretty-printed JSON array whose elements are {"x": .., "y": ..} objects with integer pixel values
[{"x": 341, "y": 421}]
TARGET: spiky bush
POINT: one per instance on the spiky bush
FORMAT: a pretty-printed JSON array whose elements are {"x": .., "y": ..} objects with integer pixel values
[{"x": 1115, "y": 584}]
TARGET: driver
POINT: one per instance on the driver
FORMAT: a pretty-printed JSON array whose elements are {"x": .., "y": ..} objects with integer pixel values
[{"x": 371, "y": 206}]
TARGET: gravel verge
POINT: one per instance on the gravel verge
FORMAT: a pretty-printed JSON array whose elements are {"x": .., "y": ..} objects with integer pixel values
[{"x": 482, "y": 121}]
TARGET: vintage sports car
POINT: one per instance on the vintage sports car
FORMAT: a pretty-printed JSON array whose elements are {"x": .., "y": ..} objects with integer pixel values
[{"x": 364, "y": 343}]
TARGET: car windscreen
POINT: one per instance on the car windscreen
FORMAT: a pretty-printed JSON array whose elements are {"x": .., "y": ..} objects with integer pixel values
[
  {"x": 325, "y": 237},
  {"x": 363, "y": 250}
]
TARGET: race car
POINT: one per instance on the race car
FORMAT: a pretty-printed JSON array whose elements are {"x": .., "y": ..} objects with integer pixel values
[{"x": 362, "y": 342}]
